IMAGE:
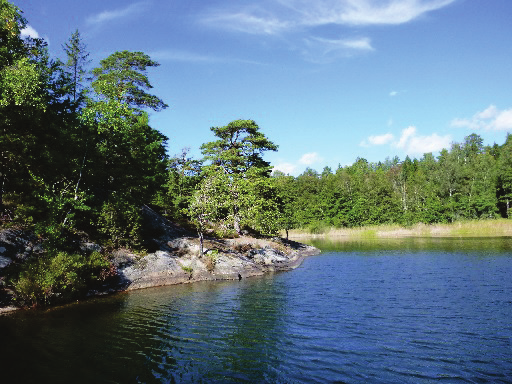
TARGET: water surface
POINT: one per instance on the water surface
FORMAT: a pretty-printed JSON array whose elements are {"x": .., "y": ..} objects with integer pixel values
[{"x": 406, "y": 311}]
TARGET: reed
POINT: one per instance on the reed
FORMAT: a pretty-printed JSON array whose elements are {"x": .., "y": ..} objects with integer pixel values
[{"x": 470, "y": 228}]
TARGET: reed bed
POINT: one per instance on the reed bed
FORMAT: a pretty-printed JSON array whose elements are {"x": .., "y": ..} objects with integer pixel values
[{"x": 470, "y": 228}]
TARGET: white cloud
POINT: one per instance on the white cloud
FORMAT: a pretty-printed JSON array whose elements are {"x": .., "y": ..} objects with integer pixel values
[
  {"x": 121, "y": 13},
  {"x": 29, "y": 31},
  {"x": 412, "y": 144},
  {"x": 297, "y": 22},
  {"x": 380, "y": 140},
  {"x": 310, "y": 158},
  {"x": 286, "y": 168},
  {"x": 490, "y": 119},
  {"x": 364, "y": 12},
  {"x": 377, "y": 140},
  {"x": 396, "y": 93}
]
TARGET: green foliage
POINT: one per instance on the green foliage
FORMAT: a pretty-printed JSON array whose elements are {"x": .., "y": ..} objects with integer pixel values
[
  {"x": 188, "y": 270},
  {"x": 317, "y": 227},
  {"x": 467, "y": 181},
  {"x": 239, "y": 147},
  {"x": 211, "y": 259},
  {"x": 75, "y": 67},
  {"x": 120, "y": 223},
  {"x": 122, "y": 77},
  {"x": 57, "y": 277},
  {"x": 245, "y": 196}
]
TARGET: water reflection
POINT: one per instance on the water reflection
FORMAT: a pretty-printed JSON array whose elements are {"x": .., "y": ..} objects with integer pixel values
[{"x": 411, "y": 244}]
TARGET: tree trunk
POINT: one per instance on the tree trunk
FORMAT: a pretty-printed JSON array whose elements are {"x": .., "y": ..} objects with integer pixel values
[{"x": 201, "y": 243}]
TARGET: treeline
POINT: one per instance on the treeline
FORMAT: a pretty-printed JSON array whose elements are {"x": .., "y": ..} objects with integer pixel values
[{"x": 469, "y": 181}]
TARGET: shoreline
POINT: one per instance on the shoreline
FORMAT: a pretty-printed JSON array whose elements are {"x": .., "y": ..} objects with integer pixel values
[{"x": 237, "y": 259}]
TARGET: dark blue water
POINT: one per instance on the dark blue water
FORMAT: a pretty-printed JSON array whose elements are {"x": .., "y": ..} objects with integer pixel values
[{"x": 393, "y": 312}]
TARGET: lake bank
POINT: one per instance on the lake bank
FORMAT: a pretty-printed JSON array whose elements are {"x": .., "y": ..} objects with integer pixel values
[
  {"x": 174, "y": 259},
  {"x": 473, "y": 228}
]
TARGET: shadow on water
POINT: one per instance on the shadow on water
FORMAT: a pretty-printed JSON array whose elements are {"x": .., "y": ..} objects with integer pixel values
[{"x": 202, "y": 332}]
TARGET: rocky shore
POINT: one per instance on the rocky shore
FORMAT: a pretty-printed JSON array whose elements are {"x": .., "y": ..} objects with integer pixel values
[{"x": 173, "y": 257}]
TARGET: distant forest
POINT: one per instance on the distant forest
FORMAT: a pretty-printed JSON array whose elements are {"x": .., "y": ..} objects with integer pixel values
[{"x": 468, "y": 181}]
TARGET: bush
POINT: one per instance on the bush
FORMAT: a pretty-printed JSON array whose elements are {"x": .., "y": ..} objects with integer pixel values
[
  {"x": 57, "y": 277},
  {"x": 211, "y": 259},
  {"x": 120, "y": 223}
]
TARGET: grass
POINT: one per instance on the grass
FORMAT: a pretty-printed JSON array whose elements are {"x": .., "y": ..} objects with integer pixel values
[{"x": 470, "y": 228}]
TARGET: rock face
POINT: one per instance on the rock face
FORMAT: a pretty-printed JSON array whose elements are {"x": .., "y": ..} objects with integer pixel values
[
  {"x": 230, "y": 259},
  {"x": 15, "y": 245},
  {"x": 177, "y": 258}
]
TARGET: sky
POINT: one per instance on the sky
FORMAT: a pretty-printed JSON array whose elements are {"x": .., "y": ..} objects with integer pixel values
[{"x": 328, "y": 81}]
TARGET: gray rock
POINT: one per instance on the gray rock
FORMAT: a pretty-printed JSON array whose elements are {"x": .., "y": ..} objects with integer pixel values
[{"x": 4, "y": 261}]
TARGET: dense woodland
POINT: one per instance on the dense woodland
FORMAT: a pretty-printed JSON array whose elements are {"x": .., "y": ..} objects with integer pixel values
[
  {"x": 78, "y": 157},
  {"x": 468, "y": 181}
]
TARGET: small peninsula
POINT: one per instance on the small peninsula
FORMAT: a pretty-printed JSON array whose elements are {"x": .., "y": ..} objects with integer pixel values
[{"x": 174, "y": 258}]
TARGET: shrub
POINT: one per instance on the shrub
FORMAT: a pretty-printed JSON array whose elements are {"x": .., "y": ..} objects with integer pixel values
[
  {"x": 57, "y": 277},
  {"x": 211, "y": 259}
]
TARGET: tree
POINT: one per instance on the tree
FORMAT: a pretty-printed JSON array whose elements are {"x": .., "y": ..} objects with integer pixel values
[
  {"x": 238, "y": 153},
  {"x": 208, "y": 204},
  {"x": 504, "y": 182},
  {"x": 130, "y": 158},
  {"x": 75, "y": 66},
  {"x": 184, "y": 174},
  {"x": 122, "y": 77}
]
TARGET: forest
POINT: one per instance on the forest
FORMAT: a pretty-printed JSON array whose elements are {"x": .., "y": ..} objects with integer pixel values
[{"x": 79, "y": 159}]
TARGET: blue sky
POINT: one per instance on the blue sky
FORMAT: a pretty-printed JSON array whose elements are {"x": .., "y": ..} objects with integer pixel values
[{"x": 326, "y": 80}]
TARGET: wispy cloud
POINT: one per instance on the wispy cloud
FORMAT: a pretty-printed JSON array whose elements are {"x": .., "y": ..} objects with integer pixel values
[
  {"x": 183, "y": 56},
  {"x": 320, "y": 49},
  {"x": 297, "y": 21},
  {"x": 276, "y": 16},
  {"x": 254, "y": 21},
  {"x": 362, "y": 12},
  {"x": 490, "y": 119},
  {"x": 116, "y": 14},
  {"x": 396, "y": 93},
  {"x": 410, "y": 142},
  {"x": 29, "y": 31},
  {"x": 191, "y": 57}
]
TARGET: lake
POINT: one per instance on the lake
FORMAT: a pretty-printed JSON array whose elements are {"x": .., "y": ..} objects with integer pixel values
[{"x": 388, "y": 311}]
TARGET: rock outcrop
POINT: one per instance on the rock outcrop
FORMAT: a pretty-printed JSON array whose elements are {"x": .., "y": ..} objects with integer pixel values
[{"x": 172, "y": 258}]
